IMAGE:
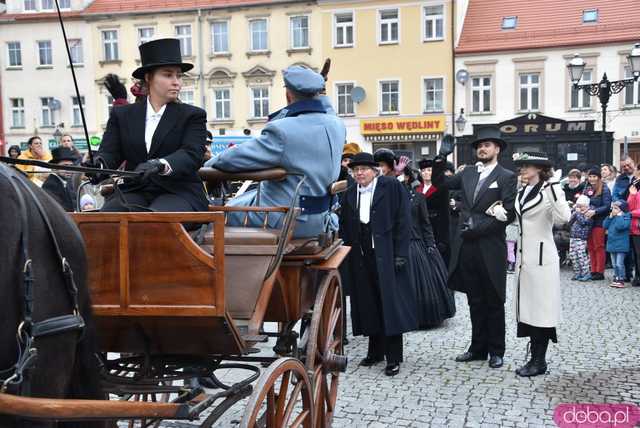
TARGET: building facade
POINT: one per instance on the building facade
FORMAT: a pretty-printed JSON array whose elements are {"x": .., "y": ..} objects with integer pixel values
[
  {"x": 511, "y": 60},
  {"x": 391, "y": 76},
  {"x": 38, "y": 94},
  {"x": 239, "y": 51}
]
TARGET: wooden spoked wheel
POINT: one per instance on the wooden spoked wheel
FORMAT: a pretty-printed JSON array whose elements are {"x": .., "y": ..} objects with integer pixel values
[
  {"x": 281, "y": 398},
  {"x": 325, "y": 358}
]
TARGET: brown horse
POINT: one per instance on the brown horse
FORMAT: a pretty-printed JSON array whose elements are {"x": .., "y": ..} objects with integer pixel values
[{"x": 66, "y": 365}]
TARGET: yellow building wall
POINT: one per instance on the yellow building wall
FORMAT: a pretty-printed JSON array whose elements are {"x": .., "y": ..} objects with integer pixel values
[
  {"x": 369, "y": 62},
  {"x": 237, "y": 63}
]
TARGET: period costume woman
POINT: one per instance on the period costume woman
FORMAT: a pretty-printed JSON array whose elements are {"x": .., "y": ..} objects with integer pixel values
[
  {"x": 539, "y": 205},
  {"x": 375, "y": 222},
  {"x": 435, "y": 301},
  {"x": 161, "y": 138}
]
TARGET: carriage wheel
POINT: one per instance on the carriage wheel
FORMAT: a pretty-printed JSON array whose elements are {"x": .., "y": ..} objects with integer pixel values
[
  {"x": 281, "y": 398},
  {"x": 325, "y": 357}
]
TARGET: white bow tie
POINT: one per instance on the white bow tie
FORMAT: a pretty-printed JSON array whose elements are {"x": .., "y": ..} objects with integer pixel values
[
  {"x": 480, "y": 166},
  {"x": 367, "y": 189},
  {"x": 155, "y": 116}
]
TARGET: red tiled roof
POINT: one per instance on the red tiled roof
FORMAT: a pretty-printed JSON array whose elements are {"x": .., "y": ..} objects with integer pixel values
[
  {"x": 133, "y": 6},
  {"x": 546, "y": 23}
]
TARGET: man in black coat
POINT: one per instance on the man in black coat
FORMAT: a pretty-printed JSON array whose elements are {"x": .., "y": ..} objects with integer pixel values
[
  {"x": 59, "y": 184},
  {"x": 479, "y": 266},
  {"x": 161, "y": 138},
  {"x": 376, "y": 222}
]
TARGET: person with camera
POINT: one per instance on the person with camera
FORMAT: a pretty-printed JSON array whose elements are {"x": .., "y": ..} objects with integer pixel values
[
  {"x": 478, "y": 267},
  {"x": 539, "y": 205}
]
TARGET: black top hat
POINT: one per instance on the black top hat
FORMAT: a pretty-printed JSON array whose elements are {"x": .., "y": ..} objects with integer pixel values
[
  {"x": 489, "y": 133},
  {"x": 531, "y": 158},
  {"x": 61, "y": 154},
  {"x": 425, "y": 163},
  {"x": 386, "y": 156},
  {"x": 363, "y": 158},
  {"x": 160, "y": 53}
]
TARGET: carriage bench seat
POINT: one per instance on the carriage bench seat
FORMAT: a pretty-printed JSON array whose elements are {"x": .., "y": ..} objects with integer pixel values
[{"x": 236, "y": 235}]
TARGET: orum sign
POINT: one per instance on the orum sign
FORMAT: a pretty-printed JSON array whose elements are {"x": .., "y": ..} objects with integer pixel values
[{"x": 539, "y": 124}]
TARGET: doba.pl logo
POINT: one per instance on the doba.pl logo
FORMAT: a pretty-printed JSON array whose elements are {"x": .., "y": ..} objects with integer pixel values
[{"x": 596, "y": 415}]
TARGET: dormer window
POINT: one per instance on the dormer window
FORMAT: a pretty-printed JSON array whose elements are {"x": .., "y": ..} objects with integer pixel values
[
  {"x": 589, "y": 15},
  {"x": 509, "y": 22}
]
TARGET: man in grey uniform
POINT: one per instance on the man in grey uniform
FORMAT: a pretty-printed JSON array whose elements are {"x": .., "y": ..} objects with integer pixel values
[{"x": 305, "y": 138}]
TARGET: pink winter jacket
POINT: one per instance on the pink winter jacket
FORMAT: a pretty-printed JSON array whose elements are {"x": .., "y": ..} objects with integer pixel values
[{"x": 634, "y": 209}]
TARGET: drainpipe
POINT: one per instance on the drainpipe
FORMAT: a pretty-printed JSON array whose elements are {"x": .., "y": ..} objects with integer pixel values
[
  {"x": 203, "y": 102},
  {"x": 2, "y": 142},
  {"x": 453, "y": 75}
]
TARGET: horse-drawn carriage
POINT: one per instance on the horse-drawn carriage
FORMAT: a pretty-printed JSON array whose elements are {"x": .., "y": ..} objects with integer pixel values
[{"x": 176, "y": 307}]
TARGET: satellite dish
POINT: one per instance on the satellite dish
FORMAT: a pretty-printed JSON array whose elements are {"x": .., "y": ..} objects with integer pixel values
[
  {"x": 358, "y": 94},
  {"x": 55, "y": 104},
  {"x": 462, "y": 76}
]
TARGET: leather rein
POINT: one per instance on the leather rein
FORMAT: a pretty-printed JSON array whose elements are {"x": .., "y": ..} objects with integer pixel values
[{"x": 13, "y": 378}]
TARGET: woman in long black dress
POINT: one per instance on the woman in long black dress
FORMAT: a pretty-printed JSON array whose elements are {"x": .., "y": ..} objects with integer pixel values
[{"x": 435, "y": 301}]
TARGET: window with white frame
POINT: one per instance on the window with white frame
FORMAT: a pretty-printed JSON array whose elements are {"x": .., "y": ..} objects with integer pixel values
[
  {"x": 389, "y": 26},
  {"x": 343, "y": 23},
  {"x": 110, "y": 45},
  {"x": 46, "y": 118},
  {"x": 145, "y": 34},
  {"x": 45, "y": 54},
  {"x": 109, "y": 100},
  {"x": 434, "y": 94},
  {"x": 345, "y": 102},
  {"x": 260, "y": 102},
  {"x": 579, "y": 98},
  {"x": 530, "y": 92},
  {"x": 183, "y": 33},
  {"x": 220, "y": 36},
  {"x": 434, "y": 22},
  {"x": 14, "y": 51},
  {"x": 258, "y": 34},
  {"x": 186, "y": 96},
  {"x": 46, "y": 5},
  {"x": 299, "y": 32},
  {"x": 481, "y": 94},
  {"x": 30, "y": 5},
  {"x": 75, "y": 47},
  {"x": 631, "y": 93},
  {"x": 390, "y": 96},
  {"x": 64, "y": 4},
  {"x": 76, "y": 120},
  {"x": 17, "y": 112},
  {"x": 222, "y": 103}
]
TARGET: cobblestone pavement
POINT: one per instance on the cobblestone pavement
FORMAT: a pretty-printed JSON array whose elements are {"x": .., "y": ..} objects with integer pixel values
[{"x": 597, "y": 360}]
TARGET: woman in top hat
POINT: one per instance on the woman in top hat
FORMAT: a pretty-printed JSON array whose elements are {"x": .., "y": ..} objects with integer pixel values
[
  {"x": 438, "y": 204},
  {"x": 161, "y": 138},
  {"x": 375, "y": 221},
  {"x": 539, "y": 205},
  {"x": 386, "y": 160}
]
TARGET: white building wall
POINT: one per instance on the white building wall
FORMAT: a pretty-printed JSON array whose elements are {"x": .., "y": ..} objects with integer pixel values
[
  {"x": 623, "y": 121},
  {"x": 31, "y": 82}
]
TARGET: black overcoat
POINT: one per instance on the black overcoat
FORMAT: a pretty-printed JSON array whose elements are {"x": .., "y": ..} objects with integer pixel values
[
  {"x": 500, "y": 185},
  {"x": 61, "y": 190},
  {"x": 391, "y": 229},
  {"x": 179, "y": 139}
]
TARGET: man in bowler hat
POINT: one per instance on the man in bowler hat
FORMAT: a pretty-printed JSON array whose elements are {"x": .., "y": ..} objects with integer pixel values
[
  {"x": 478, "y": 266},
  {"x": 375, "y": 221},
  {"x": 160, "y": 137},
  {"x": 59, "y": 184},
  {"x": 304, "y": 137}
]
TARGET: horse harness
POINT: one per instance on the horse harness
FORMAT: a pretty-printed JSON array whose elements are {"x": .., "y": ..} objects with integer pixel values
[{"x": 12, "y": 380}]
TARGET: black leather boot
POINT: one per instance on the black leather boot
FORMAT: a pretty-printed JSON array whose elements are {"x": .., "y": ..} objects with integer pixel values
[
  {"x": 538, "y": 363},
  {"x": 528, "y": 363}
]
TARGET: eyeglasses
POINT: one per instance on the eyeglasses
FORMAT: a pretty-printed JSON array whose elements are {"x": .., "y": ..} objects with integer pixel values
[{"x": 357, "y": 169}]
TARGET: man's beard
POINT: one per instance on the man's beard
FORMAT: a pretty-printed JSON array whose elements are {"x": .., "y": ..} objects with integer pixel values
[{"x": 486, "y": 159}]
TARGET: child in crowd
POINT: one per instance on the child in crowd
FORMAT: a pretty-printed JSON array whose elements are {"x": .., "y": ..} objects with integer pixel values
[
  {"x": 618, "y": 225},
  {"x": 580, "y": 228},
  {"x": 512, "y": 233}
]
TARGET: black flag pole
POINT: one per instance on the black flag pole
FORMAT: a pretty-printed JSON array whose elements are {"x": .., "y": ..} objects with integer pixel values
[{"x": 75, "y": 82}]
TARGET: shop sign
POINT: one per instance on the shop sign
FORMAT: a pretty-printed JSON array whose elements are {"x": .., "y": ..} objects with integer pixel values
[{"x": 402, "y": 125}]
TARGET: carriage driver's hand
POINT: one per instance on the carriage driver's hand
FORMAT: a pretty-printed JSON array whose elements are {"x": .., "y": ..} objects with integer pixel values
[
  {"x": 150, "y": 168},
  {"x": 399, "y": 262},
  {"x": 97, "y": 163}
]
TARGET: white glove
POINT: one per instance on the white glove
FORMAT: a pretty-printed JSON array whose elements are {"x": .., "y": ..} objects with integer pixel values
[
  {"x": 557, "y": 176},
  {"x": 497, "y": 210}
]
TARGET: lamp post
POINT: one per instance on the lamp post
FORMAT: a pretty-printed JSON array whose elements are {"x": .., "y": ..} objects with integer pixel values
[
  {"x": 605, "y": 88},
  {"x": 461, "y": 122}
]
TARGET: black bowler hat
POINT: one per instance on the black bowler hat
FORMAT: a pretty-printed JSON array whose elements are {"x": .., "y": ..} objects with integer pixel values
[
  {"x": 489, "y": 133},
  {"x": 531, "y": 158},
  {"x": 425, "y": 163},
  {"x": 60, "y": 154},
  {"x": 363, "y": 158},
  {"x": 160, "y": 53}
]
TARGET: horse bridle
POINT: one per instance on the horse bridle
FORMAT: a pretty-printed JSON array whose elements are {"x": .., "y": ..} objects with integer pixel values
[{"x": 28, "y": 331}]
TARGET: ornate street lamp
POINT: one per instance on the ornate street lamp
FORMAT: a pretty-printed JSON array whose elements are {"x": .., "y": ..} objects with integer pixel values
[
  {"x": 605, "y": 88},
  {"x": 461, "y": 122}
]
